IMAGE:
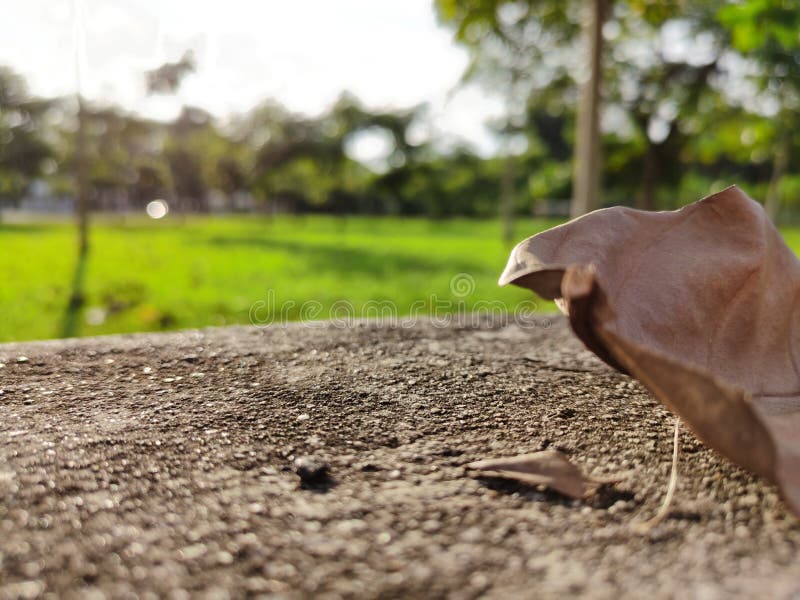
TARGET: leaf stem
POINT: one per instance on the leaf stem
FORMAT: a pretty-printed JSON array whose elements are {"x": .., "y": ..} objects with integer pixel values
[{"x": 663, "y": 512}]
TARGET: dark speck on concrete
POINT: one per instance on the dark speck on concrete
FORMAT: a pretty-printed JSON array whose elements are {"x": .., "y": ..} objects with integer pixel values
[{"x": 311, "y": 469}]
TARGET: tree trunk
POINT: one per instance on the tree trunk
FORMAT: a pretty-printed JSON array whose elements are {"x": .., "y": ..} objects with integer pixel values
[
  {"x": 586, "y": 180},
  {"x": 650, "y": 172},
  {"x": 507, "y": 199},
  {"x": 772, "y": 204},
  {"x": 82, "y": 192}
]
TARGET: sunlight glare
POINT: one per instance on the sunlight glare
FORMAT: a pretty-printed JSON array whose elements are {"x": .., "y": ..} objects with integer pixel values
[{"x": 157, "y": 209}]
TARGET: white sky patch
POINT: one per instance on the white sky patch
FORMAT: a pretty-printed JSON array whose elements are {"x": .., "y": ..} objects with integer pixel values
[
  {"x": 372, "y": 147},
  {"x": 679, "y": 44},
  {"x": 304, "y": 53},
  {"x": 463, "y": 117}
]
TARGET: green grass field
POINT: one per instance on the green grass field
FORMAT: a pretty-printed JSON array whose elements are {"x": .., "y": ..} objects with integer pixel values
[{"x": 144, "y": 275}]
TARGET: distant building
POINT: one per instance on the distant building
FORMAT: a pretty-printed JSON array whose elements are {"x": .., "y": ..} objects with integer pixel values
[{"x": 38, "y": 198}]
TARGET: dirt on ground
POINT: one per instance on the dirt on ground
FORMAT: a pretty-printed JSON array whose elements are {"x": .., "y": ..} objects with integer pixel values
[{"x": 162, "y": 465}]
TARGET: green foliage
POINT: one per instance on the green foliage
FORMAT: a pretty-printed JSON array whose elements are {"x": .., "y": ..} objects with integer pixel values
[
  {"x": 767, "y": 25},
  {"x": 537, "y": 47},
  {"x": 23, "y": 150}
]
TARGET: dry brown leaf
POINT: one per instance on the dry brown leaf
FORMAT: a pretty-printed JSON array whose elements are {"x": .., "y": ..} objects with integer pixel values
[
  {"x": 549, "y": 468},
  {"x": 700, "y": 305}
]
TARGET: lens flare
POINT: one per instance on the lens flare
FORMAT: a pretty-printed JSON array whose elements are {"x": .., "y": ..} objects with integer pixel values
[{"x": 157, "y": 209}]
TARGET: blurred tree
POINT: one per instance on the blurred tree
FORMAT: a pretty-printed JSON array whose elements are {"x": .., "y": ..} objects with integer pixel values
[
  {"x": 659, "y": 77},
  {"x": 187, "y": 182},
  {"x": 118, "y": 150},
  {"x": 24, "y": 148},
  {"x": 191, "y": 137},
  {"x": 306, "y": 162},
  {"x": 649, "y": 86},
  {"x": 296, "y": 160},
  {"x": 167, "y": 78},
  {"x": 80, "y": 164},
  {"x": 586, "y": 189},
  {"x": 694, "y": 95},
  {"x": 530, "y": 49},
  {"x": 765, "y": 33}
]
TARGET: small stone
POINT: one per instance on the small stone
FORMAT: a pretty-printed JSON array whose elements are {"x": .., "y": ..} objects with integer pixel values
[
  {"x": 193, "y": 552},
  {"x": 472, "y": 535},
  {"x": 22, "y": 359},
  {"x": 310, "y": 469},
  {"x": 748, "y": 500},
  {"x": 24, "y": 589},
  {"x": 31, "y": 569},
  {"x": 303, "y": 417},
  {"x": 257, "y": 508},
  {"x": 618, "y": 506},
  {"x": 741, "y": 532},
  {"x": 431, "y": 526},
  {"x": 479, "y": 580}
]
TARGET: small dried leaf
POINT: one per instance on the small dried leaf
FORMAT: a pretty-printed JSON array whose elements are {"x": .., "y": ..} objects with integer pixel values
[
  {"x": 700, "y": 305},
  {"x": 549, "y": 468}
]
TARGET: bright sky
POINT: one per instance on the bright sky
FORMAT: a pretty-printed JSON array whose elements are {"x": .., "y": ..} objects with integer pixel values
[{"x": 389, "y": 53}]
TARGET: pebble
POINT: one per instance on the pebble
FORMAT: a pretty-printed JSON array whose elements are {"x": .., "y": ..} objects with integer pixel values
[
  {"x": 431, "y": 526},
  {"x": 311, "y": 469},
  {"x": 749, "y": 500},
  {"x": 24, "y": 589},
  {"x": 193, "y": 552}
]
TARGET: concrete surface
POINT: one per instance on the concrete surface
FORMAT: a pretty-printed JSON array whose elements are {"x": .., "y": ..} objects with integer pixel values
[{"x": 161, "y": 466}]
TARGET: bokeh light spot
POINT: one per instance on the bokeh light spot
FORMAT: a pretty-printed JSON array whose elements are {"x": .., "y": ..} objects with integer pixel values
[{"x": 157, "y": 209}]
